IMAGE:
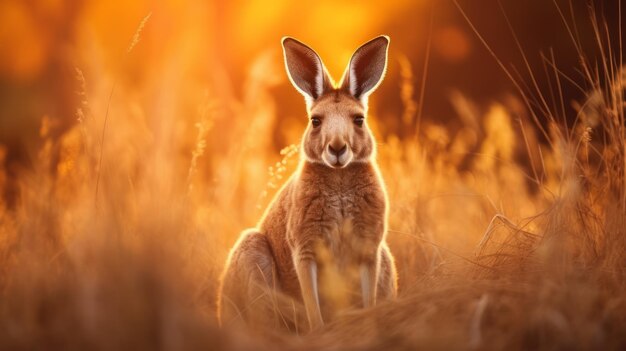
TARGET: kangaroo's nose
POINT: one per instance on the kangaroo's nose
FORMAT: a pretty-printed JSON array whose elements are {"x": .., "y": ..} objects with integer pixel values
[{"x": 337, "y": 149}]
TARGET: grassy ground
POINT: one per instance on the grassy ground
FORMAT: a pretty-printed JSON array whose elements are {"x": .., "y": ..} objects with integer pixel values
[{"x": 507, "y": 233}]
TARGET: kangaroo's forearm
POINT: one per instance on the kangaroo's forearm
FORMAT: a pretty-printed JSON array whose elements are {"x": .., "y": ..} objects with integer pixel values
[
  {"x": 369, "y": 277},
  {"x": 306, "y": 269}
]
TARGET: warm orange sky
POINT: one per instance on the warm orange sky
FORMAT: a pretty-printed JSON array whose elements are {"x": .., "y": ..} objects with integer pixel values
[{"x": 197, "y": 46}]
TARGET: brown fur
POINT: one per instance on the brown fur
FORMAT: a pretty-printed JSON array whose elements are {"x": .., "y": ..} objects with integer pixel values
[{"x": 322, "y": 239}]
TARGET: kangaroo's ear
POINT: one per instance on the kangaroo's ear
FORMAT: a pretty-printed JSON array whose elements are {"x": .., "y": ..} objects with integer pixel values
[
  {"x": 305, "y": 69},
  {"x": 367, "y": 67}
]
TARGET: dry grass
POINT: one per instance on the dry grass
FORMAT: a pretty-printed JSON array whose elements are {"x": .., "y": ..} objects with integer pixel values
[{"x": 118, "y": 239}]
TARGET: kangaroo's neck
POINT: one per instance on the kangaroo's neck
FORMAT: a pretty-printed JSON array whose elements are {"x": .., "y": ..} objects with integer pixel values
[{"x": 354, "y": 172}]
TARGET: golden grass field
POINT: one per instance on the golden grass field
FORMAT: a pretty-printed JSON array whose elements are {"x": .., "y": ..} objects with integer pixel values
[{"x": 508, "y": 225}]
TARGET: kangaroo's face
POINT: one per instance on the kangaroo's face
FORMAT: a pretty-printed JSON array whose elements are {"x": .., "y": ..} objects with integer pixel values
[{"x": 337, "y": 133}]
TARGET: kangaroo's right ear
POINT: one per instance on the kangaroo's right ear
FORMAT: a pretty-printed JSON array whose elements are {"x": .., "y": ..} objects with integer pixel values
[
  {"x": 305, "y": 69},
  {"x": 367, "y": 67}
]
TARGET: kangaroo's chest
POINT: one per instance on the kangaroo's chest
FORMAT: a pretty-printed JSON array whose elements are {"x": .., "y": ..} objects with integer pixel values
[
  {"x": 339, "y": 214},
  {"x": 352, "y": 220}
]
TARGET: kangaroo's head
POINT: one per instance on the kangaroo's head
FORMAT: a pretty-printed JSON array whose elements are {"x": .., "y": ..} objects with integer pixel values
[{"x": 337, "y": 133}]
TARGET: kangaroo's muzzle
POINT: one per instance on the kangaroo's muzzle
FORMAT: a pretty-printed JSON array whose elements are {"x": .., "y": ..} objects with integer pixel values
[{"x": 337, "y": 154}]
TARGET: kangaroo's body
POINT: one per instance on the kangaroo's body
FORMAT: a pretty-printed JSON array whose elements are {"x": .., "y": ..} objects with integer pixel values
[{"x": 322, "y": 239}]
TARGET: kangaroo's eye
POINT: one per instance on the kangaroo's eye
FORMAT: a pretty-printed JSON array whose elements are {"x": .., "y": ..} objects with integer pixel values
[
  {"x": 358, "y": 120},
  {"x": 316, "y": 121}
]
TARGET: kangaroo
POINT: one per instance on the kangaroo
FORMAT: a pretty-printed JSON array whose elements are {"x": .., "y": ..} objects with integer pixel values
[{"x": 330, "y": 217}]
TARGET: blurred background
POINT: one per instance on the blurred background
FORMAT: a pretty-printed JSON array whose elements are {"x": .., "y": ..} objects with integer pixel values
[
  {"x": 139, "y": 138},
  {"x": 194, "y": 47}
]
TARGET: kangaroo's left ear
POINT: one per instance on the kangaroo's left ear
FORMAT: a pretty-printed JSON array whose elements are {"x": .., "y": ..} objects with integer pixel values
[{"x": 367, "y": 68}]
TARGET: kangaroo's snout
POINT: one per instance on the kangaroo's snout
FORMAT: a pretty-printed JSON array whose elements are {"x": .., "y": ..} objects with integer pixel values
[
  {"x": 337, "y": 148},
  {"x": 337, "y": 153}
]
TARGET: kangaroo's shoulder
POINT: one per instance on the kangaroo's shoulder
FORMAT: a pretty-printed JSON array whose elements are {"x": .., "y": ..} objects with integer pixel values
[{"x": 277, "y": 210}]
